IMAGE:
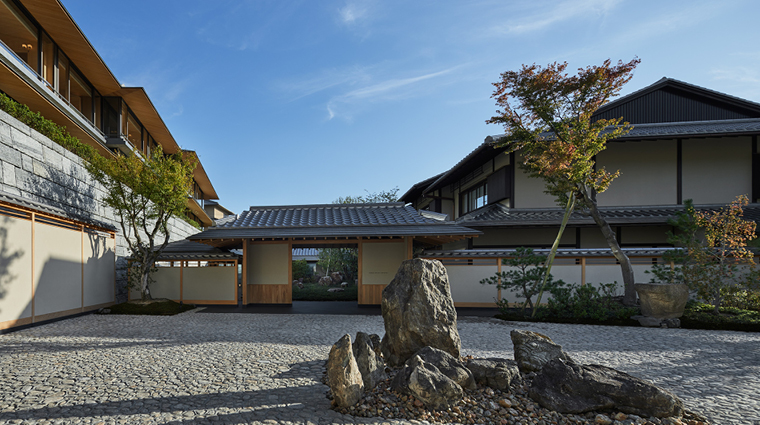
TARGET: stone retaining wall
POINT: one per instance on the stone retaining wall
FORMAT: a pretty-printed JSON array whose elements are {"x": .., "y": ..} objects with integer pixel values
[{"x": 34, "y": 167}]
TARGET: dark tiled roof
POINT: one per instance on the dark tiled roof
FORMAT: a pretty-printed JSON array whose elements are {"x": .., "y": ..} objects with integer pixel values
[
  {"x": 327, "y": 215},
  {"x": 189, "y": 250},
  {"x": 331, "y": 220},
  {"x": 335, "y": 231},
  {"x": 497, "y": 215},
  {"x": 483, "y": 153},
  {"x": 561, "y": 252},
  {"x": 41, "y": 207},
  {"x": 694, "y": 129}
]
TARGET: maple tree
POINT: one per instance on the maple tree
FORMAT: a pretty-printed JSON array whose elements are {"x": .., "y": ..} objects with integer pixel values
[
  {"x": 720, "y": 261},
  {"x": 547, "y": 115},
  {"x": 145, "y": 193}
]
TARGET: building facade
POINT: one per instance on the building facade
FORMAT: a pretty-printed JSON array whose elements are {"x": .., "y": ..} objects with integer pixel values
[
  {"x": 47, "y": 64},
  {"x": 687, "y": 142}
]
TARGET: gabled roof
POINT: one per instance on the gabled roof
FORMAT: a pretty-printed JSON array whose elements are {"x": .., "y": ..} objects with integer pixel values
[
  {"x": 498, "y": 215},
  {"x": 417, "y": 189},
  {"x": 482, "y": 154},
  {"x": 671, "y": 100},
  {"x": 332, "y": 221}
]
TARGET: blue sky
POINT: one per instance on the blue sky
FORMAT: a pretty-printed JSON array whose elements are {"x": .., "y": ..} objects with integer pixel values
[{"x": 302, "y": 102}]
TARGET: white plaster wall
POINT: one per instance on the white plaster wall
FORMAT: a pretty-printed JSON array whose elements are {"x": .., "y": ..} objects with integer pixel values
[
  {"x": 209, "y": 283},
  {"x": 648, "y": 173},
  {"x": 165, "y": 285},
  {"x": 529, "y": 192},
  {"x": 15, "y": 268},
  {"x": 716, "y": 171},
  {"x": 99, "y": 269},
  {"x": 465, "y": 284},
  {"x": 268, "y": 264},
  {"x": 380, "y": 261},
  {"x": 57, "y": 269}
]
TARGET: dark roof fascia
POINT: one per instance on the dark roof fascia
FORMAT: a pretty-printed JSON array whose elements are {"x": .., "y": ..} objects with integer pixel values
[
  {"x": 681, "y": 85},
  {"x": 483, "y": 153},
  {"x": 416, "y": 190},
  {"x": 336, "y": 231},
  {"x": 561, "y": 252},
  {"x": 318, "y": 206}
]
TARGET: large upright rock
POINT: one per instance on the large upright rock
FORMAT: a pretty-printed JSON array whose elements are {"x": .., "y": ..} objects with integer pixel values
[
  {"x": 567, "y": 387},
  {"x": 533, "y": 350},
  {"x": 418, "y": 311},
  {"x": 368, "y": 360},
  {"x": 343, "y": 375}
]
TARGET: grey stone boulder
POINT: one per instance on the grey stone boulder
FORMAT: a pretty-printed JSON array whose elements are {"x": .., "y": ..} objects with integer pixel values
[
  {"x": 418, "y": 311},
  {"x": 495, "y": 373},
  {"x": 343, "y": 374},
  {"x": 452, "y": 367},
  {"x": 370, "y": 364},
  {"x": 567, "y": 387},
  {"x": 533, "y": 350},
  {"x": 428, "y": 384}
]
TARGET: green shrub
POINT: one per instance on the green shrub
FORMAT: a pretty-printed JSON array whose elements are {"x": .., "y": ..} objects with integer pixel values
[
  {"x": 524, "y": 279},
  {"x": 702, "y": 316},
  {"x": 587, "y": 302},
  {"x": 301, "y": 270},
  {"x": 744, "y": 300}
]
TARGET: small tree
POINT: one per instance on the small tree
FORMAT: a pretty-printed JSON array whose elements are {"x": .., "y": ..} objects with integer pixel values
[
  {"x": 371, "y": 197},
  {"x": 547, "y": 117},
  {"x": 525, "y": 277},
  {"x": 145, "y": 193},
  {"x": 713, "y": 258},
  {"x": 343, "y": 260}
]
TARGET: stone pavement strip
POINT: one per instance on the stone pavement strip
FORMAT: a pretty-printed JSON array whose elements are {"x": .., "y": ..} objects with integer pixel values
[{"x": 249, "y": 368}]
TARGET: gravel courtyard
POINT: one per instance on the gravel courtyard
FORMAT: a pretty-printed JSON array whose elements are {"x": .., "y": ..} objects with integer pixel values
[{"x": 260, "y": 368}]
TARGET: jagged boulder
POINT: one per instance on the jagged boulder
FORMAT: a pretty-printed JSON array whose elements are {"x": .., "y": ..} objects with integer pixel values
[
  {"x": 428, "y": 384},
  {"x": 325, "y": 281},
  {"x": 368, "y": 360},
  {"x": 567, "y": 387},
  {"x": 452, "y": 367},
  {"x": 343, "y": 375},
  {"x": 418, "y": 311},
  {"x": 533, "y": 350},
  {"x": 495, "y": 373}
]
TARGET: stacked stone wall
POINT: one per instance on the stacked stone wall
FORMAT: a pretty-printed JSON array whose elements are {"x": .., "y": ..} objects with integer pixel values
[{"x": 36, "y": 168}]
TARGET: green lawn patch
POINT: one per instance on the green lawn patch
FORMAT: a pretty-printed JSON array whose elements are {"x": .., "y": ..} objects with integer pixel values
[
  {"x": 316, "y": 292},
  {"x": 151, "y": 308}
]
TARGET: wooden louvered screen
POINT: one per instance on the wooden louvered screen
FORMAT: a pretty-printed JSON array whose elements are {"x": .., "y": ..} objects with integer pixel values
[{"x": 500, "y": 185}]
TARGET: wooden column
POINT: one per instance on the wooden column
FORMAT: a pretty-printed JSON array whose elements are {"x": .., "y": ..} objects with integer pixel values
[
  {"x": 245, "y": 267},
  {"x": 181, "y": 283},
  {"x": 583, "y": 270},
  {"x": 359, "y": 287}
]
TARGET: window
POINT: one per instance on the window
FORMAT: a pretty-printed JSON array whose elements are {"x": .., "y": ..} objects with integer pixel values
[
  {"x": 81, "y": 95},
  {"x": 62, "y": 78},
  {"x": 19, "y": 34},
  {"x": 473, "y": 198}
]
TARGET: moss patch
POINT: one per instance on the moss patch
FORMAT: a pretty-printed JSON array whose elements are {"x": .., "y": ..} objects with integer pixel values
[{"x": 151, "y": 308}]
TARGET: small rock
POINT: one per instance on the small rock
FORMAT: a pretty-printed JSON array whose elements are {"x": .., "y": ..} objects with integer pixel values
[
  {"x": 602, "y": 420},
  {"x": 505, "y": 403}
]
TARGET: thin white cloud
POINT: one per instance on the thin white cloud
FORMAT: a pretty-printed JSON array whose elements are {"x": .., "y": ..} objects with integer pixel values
[
  {"x": 548, "y": 15},
  {"x": 738, "y": 74},
  {"x": 325, "y": 80},
  {"x": 354, "y": 12},
  {"x": 391, "y": 89}
]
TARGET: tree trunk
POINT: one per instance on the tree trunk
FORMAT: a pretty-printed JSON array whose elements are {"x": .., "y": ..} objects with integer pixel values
[
  {"x": 144, "y": 275},
  {"x": 629, "y": 297}
]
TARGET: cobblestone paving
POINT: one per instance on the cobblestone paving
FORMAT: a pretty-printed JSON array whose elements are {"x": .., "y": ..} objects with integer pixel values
[{"x": 250, "y": 368}]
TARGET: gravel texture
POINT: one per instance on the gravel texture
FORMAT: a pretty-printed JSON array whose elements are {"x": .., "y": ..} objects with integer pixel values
[{"x": 250, "y": 368}]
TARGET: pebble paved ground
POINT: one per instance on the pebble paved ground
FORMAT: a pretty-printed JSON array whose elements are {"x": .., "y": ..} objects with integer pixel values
[{"x": 250, "y": 368}]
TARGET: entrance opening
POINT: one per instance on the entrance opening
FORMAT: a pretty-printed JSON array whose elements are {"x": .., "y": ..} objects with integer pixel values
[{"x": 325, "y": 274}]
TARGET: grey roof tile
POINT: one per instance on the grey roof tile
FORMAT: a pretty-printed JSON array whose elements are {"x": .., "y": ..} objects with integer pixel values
[
  {"x": 497, "y": 215},
  {"x": 561, "y": 252}
]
